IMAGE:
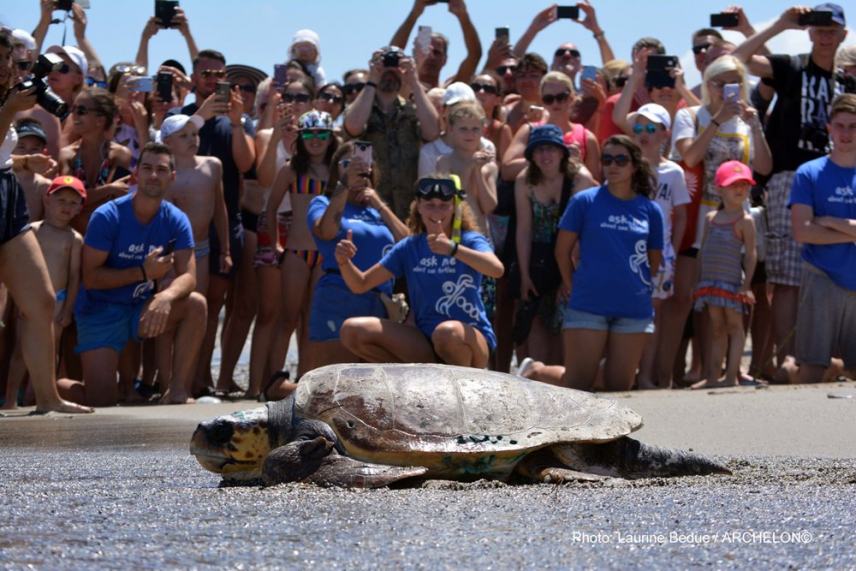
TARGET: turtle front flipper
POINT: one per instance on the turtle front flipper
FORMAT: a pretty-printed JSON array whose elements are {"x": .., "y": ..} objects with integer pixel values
[{"x": 316, "y": 461}]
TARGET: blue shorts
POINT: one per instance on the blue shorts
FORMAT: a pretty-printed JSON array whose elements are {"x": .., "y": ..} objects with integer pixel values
[
  {"x": 109, "y": 326},
  {"x": 333, "y": 303},
  {"x": 576, "y": 319}
]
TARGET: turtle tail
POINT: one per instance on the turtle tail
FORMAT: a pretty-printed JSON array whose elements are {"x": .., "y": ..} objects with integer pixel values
[{"x": 629, "y": 458}]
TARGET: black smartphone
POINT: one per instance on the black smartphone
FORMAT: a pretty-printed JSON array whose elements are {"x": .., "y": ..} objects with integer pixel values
[
  {"x": 280, "y": 73},
  {"x": 169, "y": 248},
  {"x": 658, "y": 62},
  {"x": 503, "y": 34},
  {"x": 63, "y": 5},
  {"x": 163, "y": 84},
  {"x": 657, "y": 71},
  {"x": 165, "y": 11},
  {"x": 724, "y": 20},
  {"x": 224, "y": 91},
  {"x": 816, "y": 18},
  {"x": 568, "y": 12}
]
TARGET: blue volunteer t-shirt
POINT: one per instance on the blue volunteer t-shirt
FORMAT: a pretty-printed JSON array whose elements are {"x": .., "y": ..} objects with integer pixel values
[
  {"x": 830, "y": 190},
  {"x": 613, "y": 277},
  {"x": 370, "y": 235},
  {"x": 114, "y": 228},
  {"x": 441, "y": 288}
]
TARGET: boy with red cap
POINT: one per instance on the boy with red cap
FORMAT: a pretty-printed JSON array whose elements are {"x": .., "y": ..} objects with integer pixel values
[{"x": 61, "y": 247}]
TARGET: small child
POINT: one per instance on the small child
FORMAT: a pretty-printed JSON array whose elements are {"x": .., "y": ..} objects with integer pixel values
[
  {"x": 61, "y": 247},
  {"x": 725, "y": 284}
]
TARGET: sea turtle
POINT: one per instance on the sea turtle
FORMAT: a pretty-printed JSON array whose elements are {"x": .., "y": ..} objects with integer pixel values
[{"x": 369, "y": 425}]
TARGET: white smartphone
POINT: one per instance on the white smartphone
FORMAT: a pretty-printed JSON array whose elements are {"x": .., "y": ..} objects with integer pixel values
[
  {"x": 423, "y": 39},
  {"x": 731, "y": 91},
  {"x": 140, "y": 84}
]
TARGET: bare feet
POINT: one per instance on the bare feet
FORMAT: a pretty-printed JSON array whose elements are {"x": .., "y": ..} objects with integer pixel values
[
  {"x": 64, "y": 406},
  {"x": 645, "y": 385},
  {"x": 720, "y": 384},
  {"x": 179, "y": 398}
]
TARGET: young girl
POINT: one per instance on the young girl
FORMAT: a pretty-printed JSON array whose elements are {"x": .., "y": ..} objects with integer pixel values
[{"x": 727, "y": 231}]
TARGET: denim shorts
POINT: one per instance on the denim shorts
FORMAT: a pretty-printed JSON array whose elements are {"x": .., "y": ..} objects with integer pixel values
[
  {"x": 576, "y": 319},
  {"x": 111, "y": 325}
]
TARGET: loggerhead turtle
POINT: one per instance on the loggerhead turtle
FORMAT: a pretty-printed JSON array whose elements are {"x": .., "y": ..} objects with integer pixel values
[{"x": 370, "y": 425}]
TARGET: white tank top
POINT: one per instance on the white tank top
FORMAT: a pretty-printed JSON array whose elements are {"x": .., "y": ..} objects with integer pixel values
[{"x": 6, "y": 148}]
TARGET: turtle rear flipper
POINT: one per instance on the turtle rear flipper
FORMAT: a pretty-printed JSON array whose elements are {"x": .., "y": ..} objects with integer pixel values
[
  {"x": 316, "y": 461},
  {"x": 626, "y": 457}
]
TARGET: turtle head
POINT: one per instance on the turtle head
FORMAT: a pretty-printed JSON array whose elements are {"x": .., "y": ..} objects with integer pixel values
[{"x": 234, "y": 445}]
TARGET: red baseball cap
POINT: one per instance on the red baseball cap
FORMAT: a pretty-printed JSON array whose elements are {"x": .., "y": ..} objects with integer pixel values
[
  {"x": 730, "y": 172},
  {"x": 66, "y": 181}
]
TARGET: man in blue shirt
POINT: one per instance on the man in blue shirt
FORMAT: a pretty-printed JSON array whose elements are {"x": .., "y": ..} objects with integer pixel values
[
  {"x": 823, "y": 217},
  {"x": 132, "y": 243}
]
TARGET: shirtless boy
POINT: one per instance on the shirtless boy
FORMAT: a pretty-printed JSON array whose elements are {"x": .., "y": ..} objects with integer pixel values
[
  {"x": 61, "y": 247},
  {"x": 197, "y": 190},
  {"x": 32, "y": 165}
]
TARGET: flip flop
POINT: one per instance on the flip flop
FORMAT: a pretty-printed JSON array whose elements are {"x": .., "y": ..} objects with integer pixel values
[{"x": 752, "y": 382}]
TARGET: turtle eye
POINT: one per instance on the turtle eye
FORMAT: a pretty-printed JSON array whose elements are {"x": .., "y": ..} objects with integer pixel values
[
  {"x": 351, "y": 424},
  {"x": 220, "y": 432}
]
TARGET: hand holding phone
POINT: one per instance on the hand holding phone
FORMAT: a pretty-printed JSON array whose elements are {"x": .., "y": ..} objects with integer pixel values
[
  {"x": 589, "y": 72},
  {"x": 567, "y": 12},
  {"x": 224, "y": 91},
  {"x": 163, "y": 82},
  {"x": 815, "y": 18},
  {"x": 169, "y": 248},
  {"x": 139, "y": 84},
  {"x": 165, "y": 12},
  {"x": 363, "y": 151},
  {"x": 731, "y": 92},
  {"x": 503, "y": 35},
  {"x": 725, "y": 20}
]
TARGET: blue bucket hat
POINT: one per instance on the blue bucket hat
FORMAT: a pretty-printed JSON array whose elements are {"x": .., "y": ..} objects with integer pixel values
[{"x": 545, "y": 135}]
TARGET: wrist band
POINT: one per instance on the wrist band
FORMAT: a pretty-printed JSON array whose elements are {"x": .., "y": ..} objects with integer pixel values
[
  {"x": 143, "y": 269},
  {"x": 371, "y": 84},
  {"x": 454, "y": 249},
  {"x": 715, "y": 122},
  {"x": 598, "y": 35}
]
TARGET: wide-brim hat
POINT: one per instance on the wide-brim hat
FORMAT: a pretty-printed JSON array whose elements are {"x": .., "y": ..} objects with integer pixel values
[{"x": 545, "y": 135}]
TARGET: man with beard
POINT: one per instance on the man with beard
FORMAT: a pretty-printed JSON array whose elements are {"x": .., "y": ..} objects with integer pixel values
[
  {"x": 130, "y": 243},
  {"x": 393, "y": 125}
]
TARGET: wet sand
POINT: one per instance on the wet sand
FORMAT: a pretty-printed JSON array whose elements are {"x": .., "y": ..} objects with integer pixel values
[{"x": 119, "y": 489}]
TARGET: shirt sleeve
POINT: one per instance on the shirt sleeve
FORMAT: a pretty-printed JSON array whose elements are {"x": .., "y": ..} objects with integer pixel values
[
  {"x": 782, "y": 65},
  {"x": 572, "y": 219},
  {"x": 680, "y": 193},
  {"x": 684, "y": 128},
  {"x": 394, "y": 259},
  {"x": 317, "y": 208},
  {"x": 655, "y": 227},
  {"x": 101, "y": 230},
  {"x": 476, "y": 241},
  {"x": 801, "y": 188}
]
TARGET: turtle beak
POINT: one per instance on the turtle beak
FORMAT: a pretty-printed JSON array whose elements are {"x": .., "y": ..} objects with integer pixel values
[{"x": 233, "y": 445}]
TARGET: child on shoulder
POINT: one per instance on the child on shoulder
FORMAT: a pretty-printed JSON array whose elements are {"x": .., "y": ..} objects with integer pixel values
[{"x": 725, "y": 283}]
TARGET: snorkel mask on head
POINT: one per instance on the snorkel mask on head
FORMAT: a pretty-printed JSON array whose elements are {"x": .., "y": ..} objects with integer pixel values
[{"x": 445, "y": 189}]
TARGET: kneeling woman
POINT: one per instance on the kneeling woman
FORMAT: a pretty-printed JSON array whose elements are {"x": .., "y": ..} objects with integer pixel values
[
  {"x": 443, "y": 282},
  {"x": 356, "y": 211}
]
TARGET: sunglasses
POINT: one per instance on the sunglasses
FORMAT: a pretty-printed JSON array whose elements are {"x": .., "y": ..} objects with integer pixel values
[
  {"x": 320, "y": 135},
  {"x": 331, "y": 97},
  {"x": 218, "y": 73},
  {"x": 621, "y": 81},
  {"x": 132, "y": 69},
  {"x": 298, "y": 97},
  {"x": 503, "y": 69},
  {"x": 429, "y": 188},
  {"x": 63, "y": 69},
  {"x": 558, "y": 98},
  {"x": 83, "y": 111},
  {"x": 489, "y": 89},
  {"x": 701, "y": 48},
  {"x": 246, "y": 87},
  {"x": 92, "y": 82},
  {"x": 619, "y": 160},
  {"x": 561, "y": 52},
  {"x": 638, "y": 129},
  {"x": 23, "y": 65},
  {"x": 351, "y": 88}
]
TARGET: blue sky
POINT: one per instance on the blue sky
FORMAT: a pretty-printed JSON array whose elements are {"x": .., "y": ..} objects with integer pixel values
[{"x": 258, "y": 32}]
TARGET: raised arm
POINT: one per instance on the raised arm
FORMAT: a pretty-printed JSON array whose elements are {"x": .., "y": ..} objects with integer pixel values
[
  {"x": 149, "y": 30},
  {"x": 357, "y": 113},
  {"x": 96, "y": 70},
  {"x": 243, "y": 147},
  {"x": 183, "y": 25},
  {"x": 356, "y": 280},
  {"x": 621, "y": 111},
  {"x": 429, "y": 123},
  {"x": 46, "y": 8},
  {"x": 514, "y": 161},
  {"x": 471, "y": 39},
  {"x": 746, "y": 52},
  {"x": 541, "y": 20},
  {"x": 590, "y": 23},
  {"x": 401, "y": 35}
]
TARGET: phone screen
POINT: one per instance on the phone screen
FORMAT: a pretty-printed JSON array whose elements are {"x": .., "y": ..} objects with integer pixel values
[
  {"x": 568, "y": 12},
  {"x": 224, "y": 91},
  {"x": 164, "y": 85},
  {"x": 503, "y": 34},
  {"x": 816, "y": 18},
  {"x": 363, "y": 150},
  {"x": 589, "y": 72},
  {"x": 731, "y": 91},
  {"x": 724, "y": 20}
]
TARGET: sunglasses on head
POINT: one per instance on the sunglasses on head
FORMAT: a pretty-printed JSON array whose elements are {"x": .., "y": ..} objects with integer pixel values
[
  {"x": 489, "y": 89},
  {"x": 331, "y": 97},
  {"x": 503, "y": 69},
  {"x": 298, "y": 97},
  {"x": 219, "y": 73},
  {"x": 558, "y": 98},
  {"x": 441, "y": 188},
  {"x": 650, "y": 128},
  {"x": 245, "y": 87},
  {"x": 320, "y": 135},
  {"x": 132, "y": 69},
  {"x": 619, "y": 160},
  {"x": 350, "y": 88},
  {"x": 561, "y": 52},
  {"x": 701, "y": 48}
]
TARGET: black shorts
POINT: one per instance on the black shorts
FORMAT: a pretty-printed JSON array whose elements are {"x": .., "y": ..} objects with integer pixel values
[
  {"x": 14, "y": 217},
  {"x": 236, "y": 249},
  {"x": 249, "y": 220}
]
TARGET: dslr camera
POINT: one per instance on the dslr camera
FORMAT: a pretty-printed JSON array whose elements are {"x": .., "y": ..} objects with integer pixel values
[
  {"x": 391, "y": 56},
  {"x": 45, "y": 96}
]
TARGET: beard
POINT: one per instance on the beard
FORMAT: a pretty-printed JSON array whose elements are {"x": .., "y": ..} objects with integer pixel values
[{"x": 389, "y": 82}]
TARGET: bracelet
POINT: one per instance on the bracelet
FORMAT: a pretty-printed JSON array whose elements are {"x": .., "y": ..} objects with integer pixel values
[
  {"x": 600, "y": 34},
  {"x": 454, "y": 249},
  {"x": 371, "y": 84},
  {"x": 715, "y": 122},
  {"x": 143, "y": 269}
]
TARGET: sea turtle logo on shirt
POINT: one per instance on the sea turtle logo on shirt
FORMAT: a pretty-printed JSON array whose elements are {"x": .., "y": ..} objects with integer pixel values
[
  {"x": 455, "y": 296},
  {"x": 639, "y": 259}
]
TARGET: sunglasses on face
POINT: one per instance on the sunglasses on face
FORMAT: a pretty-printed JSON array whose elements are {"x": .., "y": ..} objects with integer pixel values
[
  {"x": 351, "y": 88},
  {"x": 83, "y": 111},
  {"x": 650, "y": 128},
  {"x": 503, "y": 69},
  {"x": 298, "y": 97},
  {"x": 246, "y": 88},
  {"x": 701, "y": 48},
  {"x": 489, "y": 89},
  {"x": 429, "y": 188},
  {"x": 561, "y": 52},
  {"x": 92, "y": 82},
  {"x": 558, "y": 98},
  {"x": 64, "y": 69},
  {"x": 331, "y": 97},
  {"x": 23, "y": 65},
  {"x": 619, "y": 160},
  {"x": 320, "y": 135},
  {"x": 218, "y": 73}
]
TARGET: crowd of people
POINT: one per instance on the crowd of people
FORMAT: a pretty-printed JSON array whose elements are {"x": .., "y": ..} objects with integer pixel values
[{"x": 606, "y": 226}]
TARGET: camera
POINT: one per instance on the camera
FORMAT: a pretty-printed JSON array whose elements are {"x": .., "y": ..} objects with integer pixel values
[
  {"x": 847, "y": 82},
  {"x": 391, "y": 57},
  {"x": 45, "y": 96}
]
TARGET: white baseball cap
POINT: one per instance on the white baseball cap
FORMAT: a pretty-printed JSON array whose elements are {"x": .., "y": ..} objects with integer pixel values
[
  {"x": 74, "y": 54},
  {"x": 654, "y": 113},
  {"x": 175, "y": 123},
  {"x": 458, "y": 92}
]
